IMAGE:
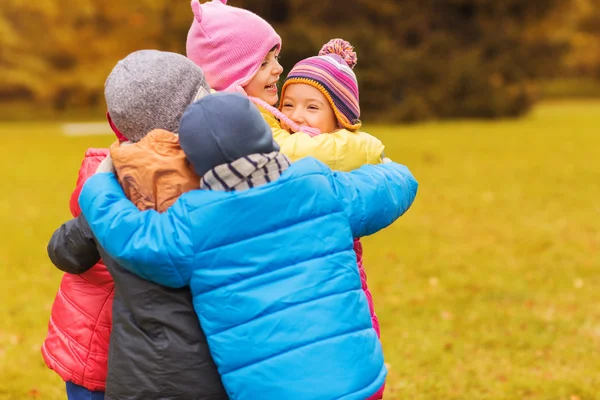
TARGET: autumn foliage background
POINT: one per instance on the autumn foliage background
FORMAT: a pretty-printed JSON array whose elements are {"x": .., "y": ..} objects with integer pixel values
[
  {"x": 487, "y": 289},
  {"x": 418, "y": 59}
]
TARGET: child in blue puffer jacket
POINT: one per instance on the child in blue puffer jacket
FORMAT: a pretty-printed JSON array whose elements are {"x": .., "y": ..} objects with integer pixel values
[{"x": 267, "y": 249}]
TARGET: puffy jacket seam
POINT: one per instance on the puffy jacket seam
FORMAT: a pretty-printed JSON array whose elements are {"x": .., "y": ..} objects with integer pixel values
[
  {"x": 294, "y": 147},
  {"x": 348, "y": 394},
  {"x": 286, "y": 309},
  {"x": 188, "y": 256},
  {"x": 62, "y": 366},
  {"x": 71, "y": 302},
  {"x": 362, "y": 218},
  {"x": 69, "y": 371},
  {"x": 369, "y": 328},
  {"x": 85, "y": 278},
  {"x": 311, "y": 218},
  {"x": 95, "y": 331},
  {"x": 336, "y": 157},
  {"x": 279, "y": 269},
  {"x": 71, "y": 338}
]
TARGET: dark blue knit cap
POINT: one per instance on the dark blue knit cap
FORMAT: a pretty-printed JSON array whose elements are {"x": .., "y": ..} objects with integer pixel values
[{"x": 222, "y": 127}]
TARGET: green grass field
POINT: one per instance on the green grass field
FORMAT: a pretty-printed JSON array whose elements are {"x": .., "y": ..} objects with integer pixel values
[{"x": 488, "y": 288}]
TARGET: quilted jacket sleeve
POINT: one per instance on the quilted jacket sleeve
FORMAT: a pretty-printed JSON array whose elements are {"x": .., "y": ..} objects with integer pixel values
[
  {"x": 374, "y": 196},
  {"x": 156, "y": 247},
  {"x": 342, "y": 150},
  {"x": 72, "y": 247},
  {"x": 93, "y": 157}
]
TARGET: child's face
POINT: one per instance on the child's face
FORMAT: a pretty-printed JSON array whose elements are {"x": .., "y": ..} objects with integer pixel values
[
  {"x": 306, "y": 105},
  {"x": 264, "y": 83}
]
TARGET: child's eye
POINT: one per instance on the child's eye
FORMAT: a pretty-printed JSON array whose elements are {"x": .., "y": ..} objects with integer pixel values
[
  {"x": 313, "y": 107},
  {"x": 264, "y": 64},
  {"x": 288, "y": 105}
]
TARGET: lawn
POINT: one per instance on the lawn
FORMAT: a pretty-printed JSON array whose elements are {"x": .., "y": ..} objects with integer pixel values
[{"x": 486, "y": 289}]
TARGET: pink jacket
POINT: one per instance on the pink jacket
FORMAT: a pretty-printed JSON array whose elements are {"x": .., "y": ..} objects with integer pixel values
[
  {"x": 363, "y": 277},
  {"x": 76, "y": 346}
]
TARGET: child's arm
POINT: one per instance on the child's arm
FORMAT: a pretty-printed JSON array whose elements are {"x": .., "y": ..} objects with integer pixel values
[
  {"x": 342, "y": 150},
  {"x": 72, "y": 247},
  {"x": 156, "y": 247},
  {"x": 374, "y": 196}
]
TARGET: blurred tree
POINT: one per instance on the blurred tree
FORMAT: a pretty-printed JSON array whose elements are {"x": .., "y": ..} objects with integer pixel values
[
  {"x": 418, "y": 59},
  {"x": 421, "y": 59},
  {"x": 584, "y": 34},
  {"x": 56, "y": 53}
]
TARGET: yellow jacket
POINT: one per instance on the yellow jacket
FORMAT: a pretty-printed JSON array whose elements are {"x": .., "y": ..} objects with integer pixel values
[{"x": 342, "y": 150}]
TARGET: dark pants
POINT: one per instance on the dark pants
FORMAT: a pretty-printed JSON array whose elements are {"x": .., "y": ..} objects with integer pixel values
[{"x": 76, "y": 392}]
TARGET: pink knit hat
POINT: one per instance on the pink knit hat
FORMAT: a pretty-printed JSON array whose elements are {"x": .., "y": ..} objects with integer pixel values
[{"x": 229, "y": 44}]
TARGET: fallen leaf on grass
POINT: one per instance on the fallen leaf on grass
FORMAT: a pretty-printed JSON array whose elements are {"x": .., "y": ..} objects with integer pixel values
[{"x": 447, "y": 315}]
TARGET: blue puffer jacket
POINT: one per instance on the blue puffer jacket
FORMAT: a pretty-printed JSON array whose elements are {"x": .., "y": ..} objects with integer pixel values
[{"x": 272, "y": 271}]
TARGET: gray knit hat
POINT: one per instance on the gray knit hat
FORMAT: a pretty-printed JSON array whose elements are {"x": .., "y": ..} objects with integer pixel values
[{"x": 150, "y": 89}]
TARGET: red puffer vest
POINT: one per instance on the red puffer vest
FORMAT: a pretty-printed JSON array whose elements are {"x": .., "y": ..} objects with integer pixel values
[
  {"x": 363, "y": 278},
  {"x": 76, "y": 346}
]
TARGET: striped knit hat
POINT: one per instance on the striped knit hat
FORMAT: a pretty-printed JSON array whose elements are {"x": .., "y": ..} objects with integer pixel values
[{"x": 331, "y": 73}]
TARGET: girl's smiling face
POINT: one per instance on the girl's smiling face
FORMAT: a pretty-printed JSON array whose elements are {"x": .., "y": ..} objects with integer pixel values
[
  {"x": 306, "y": 105},
  {"x": 264, "y": 83}
]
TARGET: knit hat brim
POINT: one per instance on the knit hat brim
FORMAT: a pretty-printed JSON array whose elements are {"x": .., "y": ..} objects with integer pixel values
[{"x": 341, "y": 118}]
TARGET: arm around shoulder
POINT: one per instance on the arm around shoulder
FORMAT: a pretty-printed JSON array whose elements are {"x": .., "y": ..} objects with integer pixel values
[
  {"x": 374, "y": 196},
  {"x": 72, "y": 248},
  {"x": 341, "y": 150},
  {"x": 156, "y": 247}
]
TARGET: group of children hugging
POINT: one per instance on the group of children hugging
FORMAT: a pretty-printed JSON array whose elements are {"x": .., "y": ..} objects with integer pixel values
[{"x": 214, "y": 251}]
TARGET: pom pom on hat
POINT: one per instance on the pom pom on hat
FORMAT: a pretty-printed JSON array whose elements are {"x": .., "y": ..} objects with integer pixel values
[{"x": 341, "y": 48}]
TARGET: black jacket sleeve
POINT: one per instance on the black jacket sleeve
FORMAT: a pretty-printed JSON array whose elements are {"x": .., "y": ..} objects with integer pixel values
[{"x": 72, "y": 247}]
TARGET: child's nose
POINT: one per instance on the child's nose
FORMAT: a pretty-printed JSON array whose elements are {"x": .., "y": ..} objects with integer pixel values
[
  {"x": 297, "y": 117},
  {"x": 277, "y": 70}
]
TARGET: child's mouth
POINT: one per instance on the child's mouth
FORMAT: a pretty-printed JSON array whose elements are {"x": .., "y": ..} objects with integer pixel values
[{"x": 271, "y": 88}]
